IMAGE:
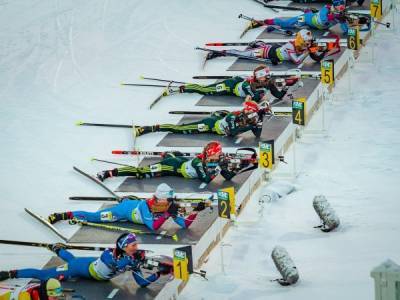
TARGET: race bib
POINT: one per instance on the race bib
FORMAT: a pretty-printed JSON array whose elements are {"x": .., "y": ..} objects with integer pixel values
[
  {"x": 62, "y": 268},
  {"x": 202, "y": 127},
  {"x": 106, "y": 216},
  {"x": 220, "y": 87},
  {"x": 136, "y": 216},
  {"x": 155, "y": 168}
]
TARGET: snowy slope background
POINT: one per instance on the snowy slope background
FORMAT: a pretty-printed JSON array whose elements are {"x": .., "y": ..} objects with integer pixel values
[{"x": 62, "y": 61}]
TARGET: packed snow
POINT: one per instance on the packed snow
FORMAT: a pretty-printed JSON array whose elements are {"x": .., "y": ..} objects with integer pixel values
[{"x": 63, "y": 61}]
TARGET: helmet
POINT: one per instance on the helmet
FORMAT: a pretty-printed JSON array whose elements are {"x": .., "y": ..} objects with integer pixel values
[
  {"x": 126, "y": 239},
  {"x": 250, "y": 112},
  {"x": 212, "y": 148},
  {"x": 303, "y": 37},
  {"x": 338, "y": 5},
  {"x": 251, "y": 106},
  {"x": 164, "y": 191},
  {"x": 262, "y": 72},
  {"x": 53, "y": 288}
]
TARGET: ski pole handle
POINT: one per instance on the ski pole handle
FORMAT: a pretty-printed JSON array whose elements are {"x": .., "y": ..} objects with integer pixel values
[{"x": 242, "y": 16}]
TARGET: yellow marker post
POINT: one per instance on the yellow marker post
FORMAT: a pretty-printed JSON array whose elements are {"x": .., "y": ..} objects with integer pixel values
[
  {"x": 224, "y": 204},
  {"x": 231, "y": 195},
  {"x": 299, "y": 111},
  {"x": 5, "y": 295},
  {"x": 266, "y": 155},
  {"x": 327, "y": 72},
  {"x": 376, "y": 9},
  {"x": 181, "y": 270},
  {"x": 353, "y": 38}
]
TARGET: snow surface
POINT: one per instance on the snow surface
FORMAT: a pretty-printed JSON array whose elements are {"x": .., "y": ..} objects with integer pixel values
[{"x": 62, "y": 61}]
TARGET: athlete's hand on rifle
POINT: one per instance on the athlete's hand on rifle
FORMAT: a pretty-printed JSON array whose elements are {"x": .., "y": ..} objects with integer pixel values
[
  {"x": 164, "y": 269},
  {"x": 140, "y": 255},
  {"x": 280, "y": 84},
  {"x": 173, "y": 209},
  {"x": 201, "y": 206}
]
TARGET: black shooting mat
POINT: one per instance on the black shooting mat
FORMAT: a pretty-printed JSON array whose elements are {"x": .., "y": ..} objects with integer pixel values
[
  {"x": 274, "y": 127},
  {"x": 179, "y": 184},
  {"x": 274, "y": 35},
  {"x": 123, "y": 286},
  {"x": 191, "y": 235},
  {"x": 305, "y": 91},
  {"x": 318, "y": 5},
  {"x": 308, "y": 65}
]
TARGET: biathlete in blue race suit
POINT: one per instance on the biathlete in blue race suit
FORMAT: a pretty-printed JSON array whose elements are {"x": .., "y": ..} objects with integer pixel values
[
  {"x": 151, "y": 212},
  {"x": 111, "y": 263}
]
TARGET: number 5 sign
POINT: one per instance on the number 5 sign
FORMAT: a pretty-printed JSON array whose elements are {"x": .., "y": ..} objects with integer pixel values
[{"x": 327, "y": 72}]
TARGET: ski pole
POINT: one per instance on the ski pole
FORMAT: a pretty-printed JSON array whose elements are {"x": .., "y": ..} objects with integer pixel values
[
  {"x": 111, "y": 162},
  {"x": 162, "y": 80},
  {"x": 242, "y": 16},
  {"x": 93, "y": 198},
  {"x": 81, "y": 123},
  {"x": 47, "y": 245},
  {"x": 387, "y": 25}
]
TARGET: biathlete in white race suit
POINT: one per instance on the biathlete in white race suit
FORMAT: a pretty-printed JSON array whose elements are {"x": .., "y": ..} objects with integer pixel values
[
  {"x": 294, "y": 51},
  {"x": 152, "y": 212}
]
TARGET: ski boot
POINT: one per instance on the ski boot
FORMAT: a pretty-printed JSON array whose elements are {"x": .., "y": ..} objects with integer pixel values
[
  {"x": 212, "y": 54},
  {"x": 103, "y": 175},
  {"x": 4, "y": 275},
  {"x": 171, "y": 91},
  {"x": 55, "y": 217},
  {"x": 140, "y": 130}
]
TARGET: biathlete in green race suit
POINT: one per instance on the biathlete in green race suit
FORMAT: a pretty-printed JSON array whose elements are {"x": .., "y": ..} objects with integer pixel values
[
  {"x": 219, "y": 122},
  {"x": 204, "y": 166},
  {"x": 254, "y": 87}
]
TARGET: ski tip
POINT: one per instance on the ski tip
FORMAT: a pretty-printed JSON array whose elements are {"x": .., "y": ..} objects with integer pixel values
[
  {"x": 92, "y": 159},
  {"x": 175, "y": 237},
  {"x": 122, "y": 83},
  {"x": 78, "y": 123},
  {"x": 141, "y": 77}
]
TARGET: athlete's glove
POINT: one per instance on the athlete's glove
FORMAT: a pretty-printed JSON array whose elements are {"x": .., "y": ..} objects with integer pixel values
[
  {"x": 173, "y": 209},
  {"x": 140, "y": 255},
  {"x": 280, "y": 84},
  {"x": 201, "y": 206},
  {"x": 164, "y": 269}
]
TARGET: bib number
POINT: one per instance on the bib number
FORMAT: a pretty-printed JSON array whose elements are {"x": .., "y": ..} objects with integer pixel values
[
  {"x": 220, "y": 87},
  {"x": 106, "y": 216},
  {"x": 155, "y": 168},
  {"x": 202, "y": 127}
]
